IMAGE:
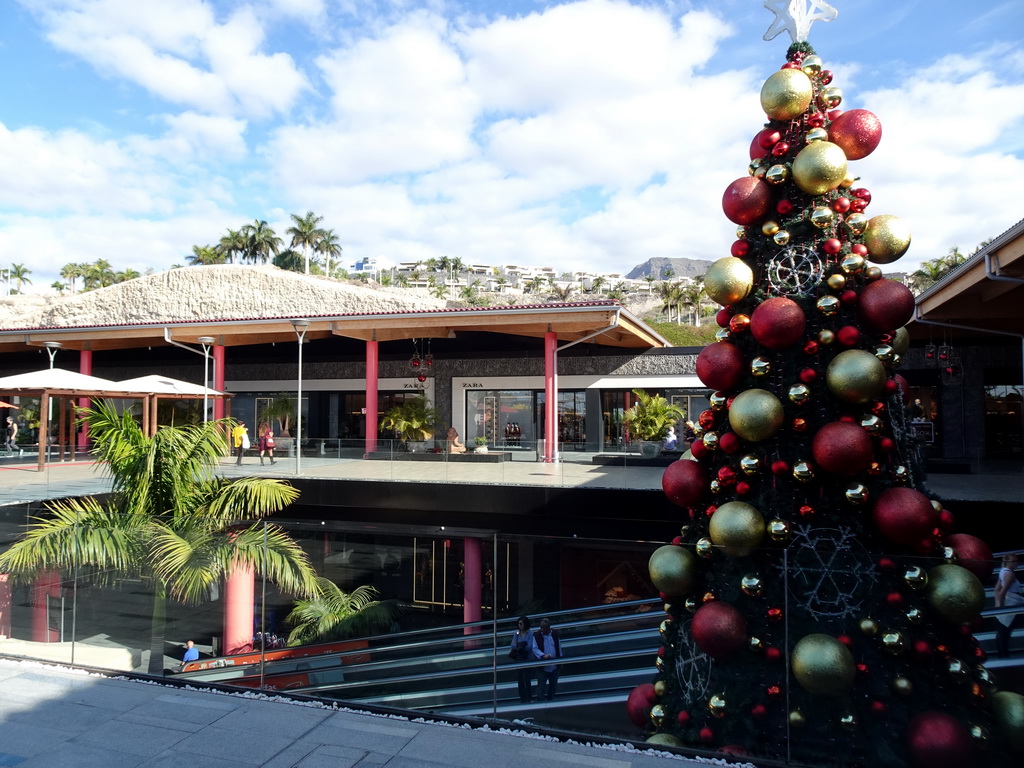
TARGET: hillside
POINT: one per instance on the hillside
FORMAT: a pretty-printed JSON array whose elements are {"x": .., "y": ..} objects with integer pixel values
[{"x": 680, "y": 268}]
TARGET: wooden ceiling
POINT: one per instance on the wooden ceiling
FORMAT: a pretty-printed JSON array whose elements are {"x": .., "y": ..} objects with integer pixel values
[{"x": 606, "y": 322}]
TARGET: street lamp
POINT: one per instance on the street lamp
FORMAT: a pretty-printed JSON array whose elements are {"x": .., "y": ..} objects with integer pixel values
[
  {"x": 300, "y": 326},
  {"x": 207, "y": 342},
  {"x": 51, "y": 349}
]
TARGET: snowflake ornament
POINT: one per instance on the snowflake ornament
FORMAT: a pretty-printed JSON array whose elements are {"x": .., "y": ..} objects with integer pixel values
[{"x": 795, "y": 271}]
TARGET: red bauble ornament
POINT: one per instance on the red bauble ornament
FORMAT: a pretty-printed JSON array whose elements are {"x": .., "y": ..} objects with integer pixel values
[
  {"x": 887, "y": 564},
  {"x": 740, "y": 248},
  {"x": 783, "y": 207},
  {"x": 639, "y": 703},
  {"x": 742, "y": 488},
  {"x": 841, "y": 204},
  {"x": 723, "y": 316},
  {"x": 904, "y": 516},
  {"x": 939, "y": 740},
  {"x": 811, "y": 348},
  {"x": 718, "y": 629},
  {"x": 946, "y": 520},
  {"x": 684, "y": 482},
  {"x": 845, "y": 640},
  {"x": 859, "y": 249},
  {"x": 780, "y": 149},
  {"x": 768, "y": 138},
  {"x": 747, "y": 200},
  {"x": 758, "y": 711},
  {"x": 922, "y": 649},
  {"x": 848, "y": 297},
  {"x": 904, "y": 386},
  {"x": 698, "y": 449},
  {"x": 848, "y": 336},
  {"x": 842, "y": 449},
  {"x": 707, "y": 735},
  {"x": 772, "y": 653},
  {"x": 973, "y": 553},
  {"x": 780, "y": 467},
  {"x": 833, "y": 245},
  {"x": 886, "y": 305},
  {"x": 886, "y": 445},
  {"x": 807, "y": 375},
  {"x": 720, "y": 365},
  {"x": 726, "y": 475},
  {"x": 683, "y": 718},
  {"x": 857, "y": 206},
  {"x": 894, "y": 599},
  {"x": 862, "y": 194},
  {"x": 778, "y": 323},
  {"x": 857, "y": 133},
  {"x": 729, "y": 442}
]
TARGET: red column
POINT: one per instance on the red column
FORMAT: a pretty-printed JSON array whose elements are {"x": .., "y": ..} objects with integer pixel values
[
  {"x": 372, "y": 363},
  {"x": 239, "y": 594},
  {"x": 218, "y": 380},
  {"x": 471, "y": 585},
  {"x": 5, "y": 605},
  {"x": 84, "y": 366},
  {"x": 47, "y": 585},
  {"x": 550, "y": 396}
]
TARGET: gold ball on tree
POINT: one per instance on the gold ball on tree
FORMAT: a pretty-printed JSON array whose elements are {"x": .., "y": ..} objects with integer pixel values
[
  {"x": 954, "y": 593},
  {"x": 886, "y": 237},
  {"x": 819, "y": 167},
  {"x": 672, "y": 569},
  {"x": 737, "y": 527},
  {"x": 757, "y": 414},
  {"x": 855, "y": 376},
  {"x": 823, "y": 665},
  {"x": 786, "y": 94},
  {"x": 1008, "y": 708},
  {"x": 728, "y": 280}
]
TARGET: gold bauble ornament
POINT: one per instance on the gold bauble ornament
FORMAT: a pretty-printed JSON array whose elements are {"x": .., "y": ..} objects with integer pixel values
[
  {"x": 737, "y": 527},
  {"x": 710, "y": 440},
  {"x": 715, "y": 487},
  {"x": 757, "y": 414},
  {"x": 672, "y": 569},
  {"x": 916, "y": 577},
  {"x": 781, "y": 237},
  {"x": 872, "y": 424},
  {"x": 836, "y": 282},
  {"x": 832, "y": 97},
  {"x": 872, "y": 274},
  {"x": 778, "y": 529},
  {"x": 901, "y": 341},
  {"x": 979, "y": 733},
  {"x": 756, "y": 644},
  {"x": 848, "y": 181},
  {"x": 885, "y": 353},
  {"x": 799, "y": 394},
  {"x": 957, "y": 670},
  {"x": 704, "y": 547},
  {"x": 659, "y": 663},
  {"x": 803, "y": 471},
  {"x": 869, "y": 627},
  {"x": 853, "y": 264},
  {"x": 827, "y": 305},
  {"x": 915, "y": 615},
  {"x": 826, "y": 337},
  {"x": 856, "y": 493},
  {"x": 900, "y": 473},
  {"x": 1008, "y": 709},
  {"x": 777, "y": 174},
  {"x": 823, "y": 217},
  {"x": 811, "y": 66},
  {"x": 665, "y": 628},
  {"x": 657, "y": 714},
  {"x": 819, "y": 167},
  {"x": 760, "y": 366},
  {"x": 786, "y": 94},
  {"x": 728, "y": 280},
  {"x": 902, "y": 686},
  {"x": 954, "y": 593},
  {"x": 797, "y": 719},
  {"x": 750, "y": 464},
  {"x": 816, "y": 134},
  {"x": 856, "y": 223},
  {"x": 751, "y": 585},
  {"x": 664, "y": 739},
  {"x": 760, "y": 171},
  {"x": 823, "y": 665},
  {"x": 741, "y": 233},
  {"x": 722, "y": 334},
  {"x": 691, "y": 604},
  {"x": 770, "y": 228},
  {"x": 754, "y": 165},
  {"x": 848, "y": 721},
  {"x": 718, "y": 401},
  {"x": 887, "y": 238},
  {"x": 717, "y": 705},
  {"x": 855, "y": 376},
  {"x": 894, "y": 642},
  {"x": 660, "y": 688}
]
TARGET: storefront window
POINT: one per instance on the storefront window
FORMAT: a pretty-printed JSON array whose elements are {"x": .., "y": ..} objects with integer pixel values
[
  {"x": 504, "y": 417},
  {"x": 615, "y": 403},
  {"x": 1003, "y": 426}
]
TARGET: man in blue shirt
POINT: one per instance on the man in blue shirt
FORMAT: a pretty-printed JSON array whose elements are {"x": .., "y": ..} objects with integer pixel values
[
  {"x": 191, "y": 653},
  {"x": 546, "y": 644}
]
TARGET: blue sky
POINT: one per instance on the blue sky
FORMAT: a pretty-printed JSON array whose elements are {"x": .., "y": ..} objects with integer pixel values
[{"x": 588, "y": 135}]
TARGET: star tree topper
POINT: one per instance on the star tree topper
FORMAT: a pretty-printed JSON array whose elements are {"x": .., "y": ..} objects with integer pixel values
[{"x": 796, "y": 17}]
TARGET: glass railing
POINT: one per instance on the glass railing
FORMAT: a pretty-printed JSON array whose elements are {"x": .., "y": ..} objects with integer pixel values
[{"x": 704, "y": 682}]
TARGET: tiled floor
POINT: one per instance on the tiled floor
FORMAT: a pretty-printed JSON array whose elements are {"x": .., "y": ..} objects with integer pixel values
[{"x": 52, "y": 717}]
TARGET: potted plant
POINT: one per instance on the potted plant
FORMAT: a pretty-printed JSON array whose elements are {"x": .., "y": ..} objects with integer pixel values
[
  {"x": 413, "y": 421},
  {"x": 481, "y": 444},
  {"x": 649, "y": 420}
]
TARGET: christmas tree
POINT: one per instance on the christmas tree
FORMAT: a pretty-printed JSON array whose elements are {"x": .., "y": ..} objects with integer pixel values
[{"x": 820, "y": 605}]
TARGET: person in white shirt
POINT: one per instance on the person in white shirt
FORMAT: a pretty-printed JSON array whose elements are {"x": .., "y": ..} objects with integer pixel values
[
  {"x": 1008, "y": 592},
  {"x": 546, "y": 644}
]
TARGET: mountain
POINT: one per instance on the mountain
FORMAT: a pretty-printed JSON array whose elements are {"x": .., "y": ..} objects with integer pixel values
[{"x": 680, "y": 268}]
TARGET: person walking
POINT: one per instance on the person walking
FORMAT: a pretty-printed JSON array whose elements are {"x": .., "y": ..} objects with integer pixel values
[
  {"x": 265, "y": 442},
  {"x": 1008, "y": 592},
  {"x": 546, "y": 644},
  {"x": 11, "y": 435},
  {"x": 191, "y": 653},
  {"x": 520, "y": 651},
  {"x": 240, "y": 435}
]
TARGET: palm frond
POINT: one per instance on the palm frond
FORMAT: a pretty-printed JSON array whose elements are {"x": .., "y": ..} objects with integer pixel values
[
  {"x": 247, "y": 498},
  {"x": 272, "y": 552},
  {"x": 334, "y": 614}
]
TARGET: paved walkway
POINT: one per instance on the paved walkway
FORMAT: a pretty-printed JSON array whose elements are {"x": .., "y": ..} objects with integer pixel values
[{"x": 53, "y": 717}]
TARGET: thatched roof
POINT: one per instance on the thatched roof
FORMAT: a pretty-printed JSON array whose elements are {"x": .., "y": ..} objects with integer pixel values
[{"x": 216, "y": 292}]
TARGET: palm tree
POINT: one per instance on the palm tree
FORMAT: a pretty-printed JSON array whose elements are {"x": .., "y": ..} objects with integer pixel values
[
  {"x": 71, "y": 272},
  {"x": 337, "y": 615},
  {"x": 562, "y": 293},
  {"x": 289, "y": 259},
  {"x": 691, "y": 297},
  {"x": 19, "y": 274},
  {"x": 58, "y": 286},
  {"x": 597, "y": 284},
  {"x": 125, "y": 275},
  {"x": 231, "y": 245},
  {"x": 206, "y": 254},
  {"x": 261, "y": 241},
  {"x": 306, "y": 233},
  {"x": 328, "y": 247},
  {"x": 535, "y": 284},
  {"x": 169, "y": 520}
]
